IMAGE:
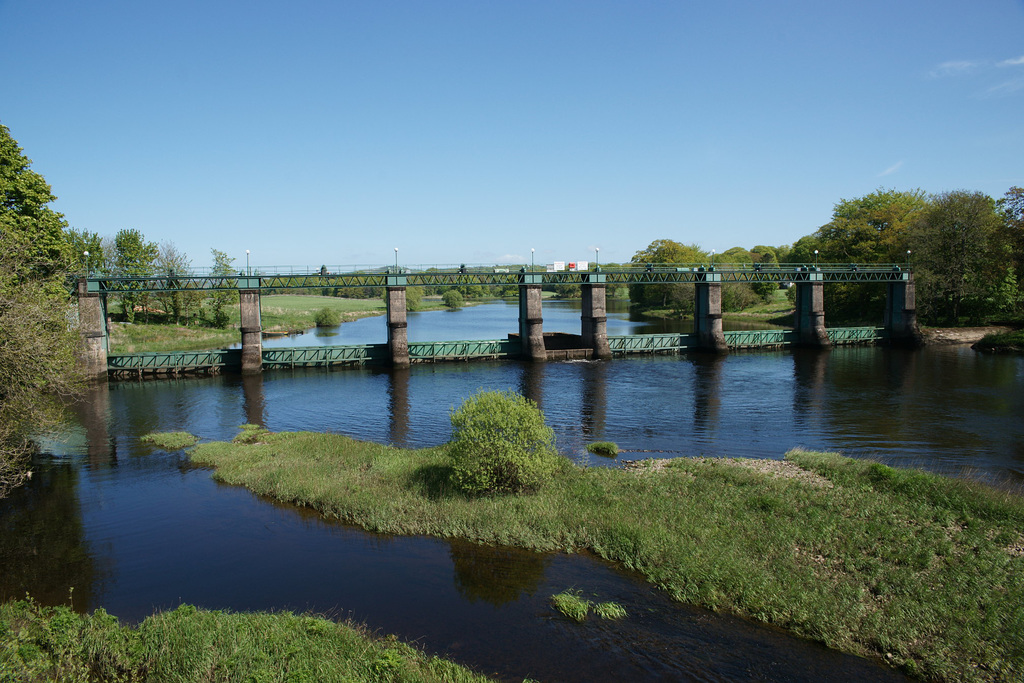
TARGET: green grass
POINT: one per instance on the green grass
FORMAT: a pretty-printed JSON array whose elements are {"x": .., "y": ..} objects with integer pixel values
[
  {"x": 278, "y": 313},
  {"x": 56, "y": 644},
  {"x": 1006, "y": 341},
  {"x": 571, "y": 605},
  {"x": 170, "y": 441},
  {"x": 922, "y": 571},
  {"x": 604, "y": 448}
]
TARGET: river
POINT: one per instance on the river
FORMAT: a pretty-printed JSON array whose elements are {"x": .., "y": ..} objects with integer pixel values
[{"x": 134, "y": 529}]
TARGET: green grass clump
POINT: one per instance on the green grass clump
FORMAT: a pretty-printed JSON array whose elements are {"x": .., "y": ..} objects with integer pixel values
[
  {"x": 610, "y": 610},
  {"x": 571, "y": 605},
  {"x": 187, "y": 644},
  {"x": 170, "y": 441},
  {"x": 922, "y": 571},
  {"x": 1006, "y": 341},
  {"x": 605, "y": 448}
]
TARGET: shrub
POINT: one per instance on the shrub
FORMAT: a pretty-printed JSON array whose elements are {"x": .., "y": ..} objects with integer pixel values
[
  {"x": 500, "y": 444},
  {"x": 326, "y": 317},
  {"x": 452, "y": 298}
]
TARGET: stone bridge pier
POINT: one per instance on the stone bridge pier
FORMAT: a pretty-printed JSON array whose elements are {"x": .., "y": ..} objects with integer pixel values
[
  {"x": 531, "y": 322},
  {"x": 398, "y": 333},
  {"x": 901, "y": 313},
  {"x": 252, "y": 331},
  {"x": 92, "y": 326},
  {"x": 809, "y": 318},
  {"x": 707, "y": 313},
  {"x": 594, "y": 320}
]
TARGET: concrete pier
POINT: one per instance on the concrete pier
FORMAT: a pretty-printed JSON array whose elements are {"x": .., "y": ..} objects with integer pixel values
[
  {"x": 92, "y": 325},
  {"x": 252, "y": 331},
  {"x": 900, "y": 318},
  {"x": 707, "y": 314},
  {"x": 594, "y": 321},
  {"x": 809, "y": 318},
  {"x": 398, "y": 334},
  {"x": 531, "y": 323}
]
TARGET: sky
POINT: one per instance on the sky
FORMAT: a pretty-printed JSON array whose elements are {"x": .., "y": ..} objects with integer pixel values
[{"x": 317, "y": 132}]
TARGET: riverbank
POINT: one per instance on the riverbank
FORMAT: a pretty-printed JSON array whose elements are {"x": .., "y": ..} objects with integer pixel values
[
  {"x": 56, "y": 644},
  {"x": 920, "y": 571},
  {"x": 1001, "y": 342}
]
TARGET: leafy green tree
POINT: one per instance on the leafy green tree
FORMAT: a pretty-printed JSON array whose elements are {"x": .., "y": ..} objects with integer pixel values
[
  {"x": 38, "y": 369},
  {"x": 220, "y": 300},
  {"x": 181, "y": 303},
  {"x": 953, "y": 249},
  {"x": 874, "y": 228},
  {"x": 500, "y": 444},
  {"x": 81, "y": 242},
  {"x": 134, "y": 257},
  {"x": 30, "y": 227},
  {"x": 678, "y": 297},
  {"x": 452, "y": 298}
]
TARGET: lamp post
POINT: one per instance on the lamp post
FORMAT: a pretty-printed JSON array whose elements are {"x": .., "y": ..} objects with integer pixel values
[
  {"x": 908, "y": 258},
  {"x": 531, "y": 259},
  {"x": 815, "y": 258},
  {"x": 247, "y": 272},
  {"x": 86, "y": 255},
  {"x": 712, "y": 258},
  {"x": 396, "y": 260}
]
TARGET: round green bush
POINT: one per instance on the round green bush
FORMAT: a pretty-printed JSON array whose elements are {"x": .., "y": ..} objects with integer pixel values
[
  {"x": 452, "y": 298},
  {"x": 500, "y": 444},
  {"x": 327, "y": 317}
]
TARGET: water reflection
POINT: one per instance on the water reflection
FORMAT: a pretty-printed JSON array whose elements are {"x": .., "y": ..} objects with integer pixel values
[
  {"x": 398, "y": 406},
  {"x": 495, "y": 575},
  {"x": 254, "y": 403}
]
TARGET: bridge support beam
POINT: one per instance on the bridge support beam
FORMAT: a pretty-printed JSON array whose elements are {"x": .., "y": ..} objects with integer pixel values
[
  {"x": 531, "y": 323},
  {"x": 92, "y": 325},
  {"x": 398, "y": 337},
  {"x": 252, "y": 331},
  {"x": 900, "y": 318},
  {"x": 594, "y": 321},
  {"x": 809, "y": 318},
  {"x": 707, "y": 314}
]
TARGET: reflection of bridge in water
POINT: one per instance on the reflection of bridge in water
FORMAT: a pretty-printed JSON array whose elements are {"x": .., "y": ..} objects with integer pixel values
[{"x": 529, "y": 342}]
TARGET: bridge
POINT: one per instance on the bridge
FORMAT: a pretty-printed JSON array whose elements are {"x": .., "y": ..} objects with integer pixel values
[{"x": 530, "y": 342}]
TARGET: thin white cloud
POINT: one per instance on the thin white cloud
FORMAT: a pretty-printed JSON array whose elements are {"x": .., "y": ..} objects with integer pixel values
[
  {"x": 892, "y": 169},
  {"x": 1006, "y": 88},
  {"x": 954, "y": 68},
  {"x": 1019, "y": 61}
]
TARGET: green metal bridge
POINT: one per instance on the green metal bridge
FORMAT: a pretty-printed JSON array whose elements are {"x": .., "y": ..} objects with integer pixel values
[
  {"x": 181, "y": 362},
  {"x": 401, "y": 276}
]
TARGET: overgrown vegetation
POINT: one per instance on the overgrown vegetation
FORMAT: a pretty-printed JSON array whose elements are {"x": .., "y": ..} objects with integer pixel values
[
  {"x": 922, "y": 571},
  {"x": 327, "y": 317},
  {"x": 38, "y": 340},
  {"x": 187, "y": 644},
  {"x": 572, "y": 604},
  {"x": 170, "y": 441},
  {"x": 1007, "y": 341},
  {"x": 605, "y": 448},
  {"x": 500, "y": 444}
]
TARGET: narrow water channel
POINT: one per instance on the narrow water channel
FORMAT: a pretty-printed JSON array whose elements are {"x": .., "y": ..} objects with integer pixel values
[{"x": 107, "y": 521}]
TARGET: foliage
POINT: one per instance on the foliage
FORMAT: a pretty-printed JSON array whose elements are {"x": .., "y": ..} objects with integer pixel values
[
  {"x": 81, "y": 241},
  {"x": 413, "y": 298},
  {"x": 218, "y": 315},
  {"x": 134, "y": 257},
  {"x": 37, "y": 342},
  {"x": 500, "y": 444},
  {"x": 40, "y": 643},
  {"x": 678, "y": 297},
  {"x": 452, "y": 298},
  {"x": 180, "y": 304},
  {"x": 858, "y": 556},
  {"x": 1003, "y": 341},
  {"x": 28, "y": 224},
  {"x": 874, "y": 228},
  {"x": 605, "y": 448},
  {"x": 327, "y": 317},
  {"x": 953, "y": 247}
]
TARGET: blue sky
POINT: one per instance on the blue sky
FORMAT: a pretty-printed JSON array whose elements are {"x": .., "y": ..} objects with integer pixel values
[{"x": 332, "y": 132}]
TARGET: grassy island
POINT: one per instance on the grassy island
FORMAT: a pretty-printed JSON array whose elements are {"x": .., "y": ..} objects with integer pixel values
[
  {"x": 1012, "y": 342},
  {"x": 921, "y": 571}
]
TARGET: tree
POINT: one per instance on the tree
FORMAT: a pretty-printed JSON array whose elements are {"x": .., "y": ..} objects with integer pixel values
[
  {"x": 38, "y": 369},
  {"x": 873, "y": 228},
  {"x": 220, "y": 300},
  {"x": 452, "y": 298},
  {"x": 134, "y": 257},
  {"x": 30, "y": 227},
  {"x": 80, "y": 242},
  {"x": 180, "y": 303},
  {"x": 678, "y": 297},
  {"x": 953, "y": 247}
]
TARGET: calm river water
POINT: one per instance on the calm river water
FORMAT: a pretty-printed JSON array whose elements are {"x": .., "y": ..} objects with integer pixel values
[{"x": 134, "y": 529}]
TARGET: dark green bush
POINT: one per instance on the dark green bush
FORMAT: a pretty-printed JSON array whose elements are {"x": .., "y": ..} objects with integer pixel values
[
  {"x": 452, "y": 298},
  {"x": 327, "y": 317},
  {"x": 500, "y": 444}
]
